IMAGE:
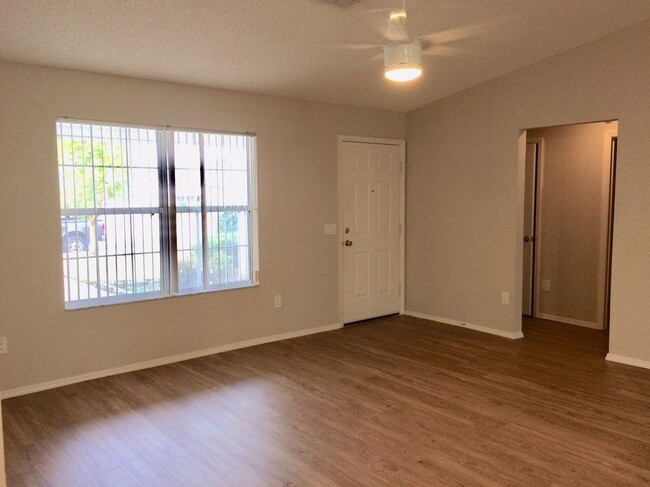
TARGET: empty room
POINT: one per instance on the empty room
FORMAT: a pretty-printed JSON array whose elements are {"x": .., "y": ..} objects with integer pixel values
[{"x": 324, "y": 243}]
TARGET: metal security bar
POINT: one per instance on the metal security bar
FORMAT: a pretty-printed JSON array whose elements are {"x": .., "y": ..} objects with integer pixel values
[
  {"x": 110, "y": 212},
  {"x": 213, "y": 207},
  {"x": 229, "y": 208},
  {"x": 147, "y": 213}
]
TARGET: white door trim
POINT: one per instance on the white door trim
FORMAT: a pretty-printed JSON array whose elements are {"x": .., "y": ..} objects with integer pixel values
[
  {"x": 402, "y": 210},
  {"x": 605, "y": 255},
  {"x": 539, "y": 193}
]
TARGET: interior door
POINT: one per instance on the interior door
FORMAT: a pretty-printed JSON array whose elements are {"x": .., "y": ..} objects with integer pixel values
[
  {"x": 530, "y": 190},
  {"x": 370, "y": 200}
]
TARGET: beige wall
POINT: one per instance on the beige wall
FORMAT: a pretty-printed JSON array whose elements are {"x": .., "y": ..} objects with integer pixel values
[
  {"x": 297, "y": 166},
  {"x": 465, "y": 174},
  {"x": 572, "y": 237}
]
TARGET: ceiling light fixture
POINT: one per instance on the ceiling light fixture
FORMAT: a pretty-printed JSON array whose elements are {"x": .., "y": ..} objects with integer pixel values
[{"x": 403, "y": 62}]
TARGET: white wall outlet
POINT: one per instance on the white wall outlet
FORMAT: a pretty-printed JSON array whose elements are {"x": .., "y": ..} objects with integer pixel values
[
  {"x": 505, "y": 298},
  {"x": 277, "y": 301},
  {"x": 330, "y": 229},
  {"x": 546, "y": 285},
  {"x": 4, "y": 345}
]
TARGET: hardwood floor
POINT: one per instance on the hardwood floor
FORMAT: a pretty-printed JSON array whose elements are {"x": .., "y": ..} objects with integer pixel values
[{"x": 397, "y": 401}]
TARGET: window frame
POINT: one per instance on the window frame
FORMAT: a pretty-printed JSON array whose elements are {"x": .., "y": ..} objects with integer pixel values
[{"x": 167, "y": 215}]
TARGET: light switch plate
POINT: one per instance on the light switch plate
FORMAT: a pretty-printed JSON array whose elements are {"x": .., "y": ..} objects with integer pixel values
[{"x": 330, "y": 229}]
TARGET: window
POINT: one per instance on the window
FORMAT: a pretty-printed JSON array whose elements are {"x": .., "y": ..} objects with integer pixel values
[{"x": 149, "y": 212}]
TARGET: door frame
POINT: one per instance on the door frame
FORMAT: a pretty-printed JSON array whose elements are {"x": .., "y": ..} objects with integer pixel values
[
  {"x": 608, "y": 189},
  {"x": 401, "y": 143},
  {"x": 535, "y": 220},
  {"x": 537, "y": 223},
  {"x": 608, "y": 180}
]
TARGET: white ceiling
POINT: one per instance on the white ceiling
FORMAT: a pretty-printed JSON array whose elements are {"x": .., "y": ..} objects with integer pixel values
[{"x": 295, "y": 48}]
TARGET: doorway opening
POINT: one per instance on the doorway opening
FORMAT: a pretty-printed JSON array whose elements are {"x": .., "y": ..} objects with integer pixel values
[{"x": 569, "y": 186}]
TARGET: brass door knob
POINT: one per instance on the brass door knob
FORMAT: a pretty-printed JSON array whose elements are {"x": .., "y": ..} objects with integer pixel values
[{"x": 348, "y": 243}]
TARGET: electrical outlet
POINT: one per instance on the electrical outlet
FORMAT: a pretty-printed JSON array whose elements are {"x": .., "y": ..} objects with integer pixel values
[
  {"x": 4, "y": 345},
  {"x": 505, "y": 298},
  {"x": 546, "y": 285},
  {"x": 277, "y": 301}
]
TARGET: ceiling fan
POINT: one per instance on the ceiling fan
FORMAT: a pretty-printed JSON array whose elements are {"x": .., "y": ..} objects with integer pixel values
[
  {"x": 403, "y": 58},
  {"x": 402, "y": 54}
]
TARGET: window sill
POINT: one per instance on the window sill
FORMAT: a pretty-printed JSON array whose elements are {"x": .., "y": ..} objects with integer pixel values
[{"x": 152, "y": 296}]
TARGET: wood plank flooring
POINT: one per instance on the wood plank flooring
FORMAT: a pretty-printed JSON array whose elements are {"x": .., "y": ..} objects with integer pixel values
[{"x": 391, "y": 402}]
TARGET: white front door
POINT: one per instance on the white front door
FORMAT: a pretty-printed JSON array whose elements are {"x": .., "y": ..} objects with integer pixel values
[{"x": 370, "y": 200}]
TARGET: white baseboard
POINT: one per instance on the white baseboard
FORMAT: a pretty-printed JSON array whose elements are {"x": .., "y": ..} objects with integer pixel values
[
  {"x": 621, "y": 359},
  {"x": 484, "y": 329},
  {"x": 569, "y": 321},
  {"x": 20, "y": 391}
]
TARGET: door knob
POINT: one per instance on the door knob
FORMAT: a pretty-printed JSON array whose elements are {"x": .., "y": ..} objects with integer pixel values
[
  {"x": 348, "y": 243},
  {"x": 526, "y": 238}
]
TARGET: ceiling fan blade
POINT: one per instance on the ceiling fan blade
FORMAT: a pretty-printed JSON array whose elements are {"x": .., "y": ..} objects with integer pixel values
[
  {"x": 396, "y": 30},
  {"x": 370, "y": 60},
  {"x": 390, "y": 23},
  {"x": 439, "y": 50},
  {"x": 468, "y": 31},
  {"x": 351, "y": 47}
]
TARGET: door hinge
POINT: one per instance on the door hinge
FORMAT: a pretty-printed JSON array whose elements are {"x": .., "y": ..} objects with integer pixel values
[
  {"x": 401, "y": 229},
  {"x": 399, "y": 290}
]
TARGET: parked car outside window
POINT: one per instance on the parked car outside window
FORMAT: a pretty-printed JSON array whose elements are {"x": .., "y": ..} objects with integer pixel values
[{"x": 76, "y": 234}]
